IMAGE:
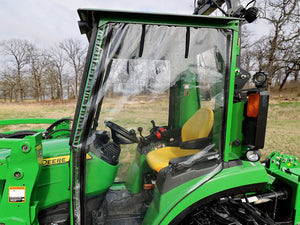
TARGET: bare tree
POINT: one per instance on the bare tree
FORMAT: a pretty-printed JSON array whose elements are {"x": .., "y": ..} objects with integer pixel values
[
  {"x": 291, "y": 62},
  {"x": 51, "y": 81},
  {"x": 17, "y": 52},
  {"x": 75, "y": 53},
  {"x": 70, "y": 87},
  {"x": 39, "y": 61},
  {"x": 283, "y": 16},
  {"x": 248, "y": 52},
  {"x": 57, "y": 64},
  {"x": 8, "y": 84}
]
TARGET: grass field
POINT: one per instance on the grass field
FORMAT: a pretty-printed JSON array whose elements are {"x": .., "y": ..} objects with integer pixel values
[{"x": 283, "y": 127}]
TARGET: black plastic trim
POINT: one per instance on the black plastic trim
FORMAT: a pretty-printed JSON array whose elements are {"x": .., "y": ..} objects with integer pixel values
[
  {"x": 168, "y": 178},
  {"x": 187, "y": 42}
]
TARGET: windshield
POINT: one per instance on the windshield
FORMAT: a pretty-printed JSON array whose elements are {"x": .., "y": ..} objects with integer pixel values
[{"x": 155, "y": 76}]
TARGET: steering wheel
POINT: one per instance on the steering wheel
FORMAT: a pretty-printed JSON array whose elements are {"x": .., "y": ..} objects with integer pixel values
[{"x": 120, "y": 135}]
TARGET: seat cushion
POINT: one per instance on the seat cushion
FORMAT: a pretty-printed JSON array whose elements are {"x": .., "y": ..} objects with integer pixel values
[
  {"x": 160, "y": 158},
  {"x": 199, "y": 125}
]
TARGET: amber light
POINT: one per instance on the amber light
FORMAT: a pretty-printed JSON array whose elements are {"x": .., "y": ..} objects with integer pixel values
[{"x": 253, "y": 105}]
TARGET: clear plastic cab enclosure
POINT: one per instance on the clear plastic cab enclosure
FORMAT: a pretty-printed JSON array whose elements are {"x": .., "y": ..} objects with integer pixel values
[{"x": 151, "y": 83}]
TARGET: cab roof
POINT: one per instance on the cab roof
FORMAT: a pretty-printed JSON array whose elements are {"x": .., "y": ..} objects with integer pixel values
[{"x": 88, "y": 17}]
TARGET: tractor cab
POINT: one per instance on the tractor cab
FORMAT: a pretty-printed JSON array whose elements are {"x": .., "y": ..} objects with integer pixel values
[
  {"x": 155, "y": 104},
  {"x": 161, "y": 88}
]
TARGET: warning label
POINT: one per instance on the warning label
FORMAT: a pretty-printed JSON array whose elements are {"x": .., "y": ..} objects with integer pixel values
[
  {"x": 38, "y": 147},
  {"x": 16, "y": 194},
  {"x": 159, "y": 146},
  {"x": 60, "y": 160}
]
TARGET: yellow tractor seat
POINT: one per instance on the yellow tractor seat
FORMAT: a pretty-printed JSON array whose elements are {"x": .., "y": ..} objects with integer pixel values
[{"x": 198, "y": 126}]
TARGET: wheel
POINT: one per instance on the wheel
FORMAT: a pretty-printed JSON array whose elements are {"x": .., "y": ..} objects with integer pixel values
[{"x": 229, "y": 212}]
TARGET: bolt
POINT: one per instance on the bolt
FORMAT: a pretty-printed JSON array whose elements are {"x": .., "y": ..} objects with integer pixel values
[
  {"x": 284, "y": 160},
  {"x": 295, "y": 164},
  {"x": 237, "y": 142},
  {"x": 273, "y": 161},
  {"x": 278, "y": 163},
  {"x": 25, "y": 148},
  {"x": 243, "y": 76},
  {"x": 283, "y": 169},
  {"x": 17, "y": 174}
]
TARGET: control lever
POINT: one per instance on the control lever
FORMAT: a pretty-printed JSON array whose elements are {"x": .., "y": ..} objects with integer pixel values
[
  {"x": 140, "y": 129},
  {"x": 154, "y": 127},
  {"x": 153, "y": 124}
]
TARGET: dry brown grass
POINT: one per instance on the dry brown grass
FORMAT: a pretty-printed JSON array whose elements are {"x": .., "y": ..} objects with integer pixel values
[
  {"x": 283, "y": 126},
  {"x": 30, "y": 109}
]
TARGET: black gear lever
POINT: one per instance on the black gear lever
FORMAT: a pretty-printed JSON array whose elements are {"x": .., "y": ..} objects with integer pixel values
[
  {"x": 140, "y": 129},
  {"x": 154, "y": 127},
  {"x": 153, "y": 124}
]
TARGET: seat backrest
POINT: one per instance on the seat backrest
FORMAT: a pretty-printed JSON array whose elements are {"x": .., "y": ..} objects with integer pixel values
[{"x": 199, "y": 125}]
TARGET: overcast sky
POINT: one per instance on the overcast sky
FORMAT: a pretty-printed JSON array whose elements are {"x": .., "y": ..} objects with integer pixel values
[{"x": 47, "y": 22}]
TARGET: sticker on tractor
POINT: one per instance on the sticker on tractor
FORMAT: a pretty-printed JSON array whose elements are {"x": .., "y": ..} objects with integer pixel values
[
  {"x": 39, "y": 153},
  {"x": 60, "y": 160},
  {"x": 159, "y": 146},
  {"x": 38, "y": 147},
  {"x": 16, "y": 194},
  {"x": 186, "y": 89}
]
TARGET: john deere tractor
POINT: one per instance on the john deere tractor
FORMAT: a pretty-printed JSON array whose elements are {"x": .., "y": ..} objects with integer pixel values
[{"x": 169, "y": 90}]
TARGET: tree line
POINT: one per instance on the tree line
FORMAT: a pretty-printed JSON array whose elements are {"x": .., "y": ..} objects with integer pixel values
[{"x": 29, "y": 71}]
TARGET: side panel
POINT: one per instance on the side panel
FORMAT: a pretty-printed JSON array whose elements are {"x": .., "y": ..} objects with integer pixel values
[
  {"x": 24, "y": 165},
  {"x": 166, "y": 207},
  {"x": 236, "y": 133},
  {"x": 134, "y": 179}
]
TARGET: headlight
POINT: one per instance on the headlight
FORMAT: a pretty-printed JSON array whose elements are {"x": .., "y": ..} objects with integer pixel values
[{"x": 253, "y": 155}]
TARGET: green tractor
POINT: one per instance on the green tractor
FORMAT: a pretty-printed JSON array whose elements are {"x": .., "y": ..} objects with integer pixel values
[{"x": 168, "y": 89}]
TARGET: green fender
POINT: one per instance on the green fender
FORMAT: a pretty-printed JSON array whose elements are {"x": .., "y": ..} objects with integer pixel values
[{"x": 164, "y": 208}]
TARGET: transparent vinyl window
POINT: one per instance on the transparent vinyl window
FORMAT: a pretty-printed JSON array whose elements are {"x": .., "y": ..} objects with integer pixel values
[{"x": 156, "y": 76}]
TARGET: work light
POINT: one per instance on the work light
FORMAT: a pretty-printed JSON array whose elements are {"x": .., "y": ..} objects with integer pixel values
[{"x": 253, "y": 155}]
